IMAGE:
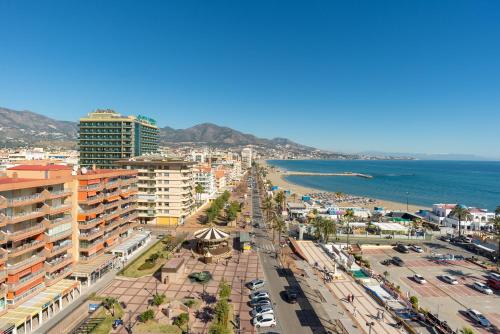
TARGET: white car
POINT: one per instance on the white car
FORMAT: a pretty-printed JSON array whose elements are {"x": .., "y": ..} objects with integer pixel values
[
  {"x": 266, "y": 320},
  {"x": 417, "y": 249},
  {"x": 259, "y": 294},
  {"x": 449, "y": 279},
  {"x": 494, "y": 276},
  {"x": 482, "y": 288},
  {"x": 419, "y": 279},
  {"x": 261, "y": 310},
  {"x": 478, "y": 317},
  {"x": 255, "y": 284}
]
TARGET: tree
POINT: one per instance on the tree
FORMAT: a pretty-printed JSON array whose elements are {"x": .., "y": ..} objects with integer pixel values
[
  {"x": 386, "y": 274},
  {"x": 147, "y": 315},
  {"x": 222, "y": 312},
  {"x": 158, "y": 299},
  {"x": 224, "y": 290},
  {"x": 466, "y": 330},
  {"x": 109, "y": 304},
  {"x": 199, "y": 190},
  {"x": 347, "y": 217},
  {"x": 460, "y": 212},
  {"x": 279, "y": 198},
  {"x": 268, "y": 207},
  {"x": 278, "y": 226},
  {"x": 414, "y": 301},
  {"x": 218, "y": 329},
  {"x": 181, "y": 320},
  {"x": 154, "y": 257}
]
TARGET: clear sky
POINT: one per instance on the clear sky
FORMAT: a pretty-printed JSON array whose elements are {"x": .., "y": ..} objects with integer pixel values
[{"x": 394, "y": 76}]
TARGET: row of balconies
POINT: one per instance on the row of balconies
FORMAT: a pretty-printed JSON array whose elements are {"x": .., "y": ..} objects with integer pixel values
[
  {"x": 92, "y": 199},
  {"x": 52, "y": 278},
  {"x": 58, "y": 249},
  {"x": 14, "y": 268},
  {"x": 36, "y": 213},
  {"x": 90, "y": 245},
  {"x": 92, "y": 234},
  {"x": 58, "y": 236},
  {"x": 92, "y": 187},
  {"x": 26, "y": 294},
  {"x": 35, "y": 198},
  {"x": 58, "y": 263},
  {"x": 26, "y": 280}
]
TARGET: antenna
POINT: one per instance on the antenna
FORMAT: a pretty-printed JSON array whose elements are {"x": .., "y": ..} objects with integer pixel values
[{"x": 84, "y": 170}]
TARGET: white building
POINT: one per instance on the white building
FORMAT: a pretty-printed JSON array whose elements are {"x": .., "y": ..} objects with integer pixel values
[
  {"x": 246, "y": 157},
  {"x": 205, "y": 177}
]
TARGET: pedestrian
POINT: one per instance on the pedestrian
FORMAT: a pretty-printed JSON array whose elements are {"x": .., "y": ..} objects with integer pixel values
[
  {"x": 354, "y": 311},
  {"x": 352, "y": 299}
]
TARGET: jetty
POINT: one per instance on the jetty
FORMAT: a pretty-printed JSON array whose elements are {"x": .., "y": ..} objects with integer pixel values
[{"x": 366, "y": 176}]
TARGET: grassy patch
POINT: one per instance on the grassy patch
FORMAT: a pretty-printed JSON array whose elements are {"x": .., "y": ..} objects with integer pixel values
[
  {"x": 106, "y": 325},
  {"x": 154, "y": 327},
  {"x": 142, "y": 267}
]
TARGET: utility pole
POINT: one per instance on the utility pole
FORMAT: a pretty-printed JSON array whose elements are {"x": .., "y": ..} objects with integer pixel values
[{"x": 370, "y": 325}]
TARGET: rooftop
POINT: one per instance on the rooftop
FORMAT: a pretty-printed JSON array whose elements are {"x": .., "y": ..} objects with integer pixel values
[
  {"x": 41, "y": 167},
  {"x": 10, "y": 180}
]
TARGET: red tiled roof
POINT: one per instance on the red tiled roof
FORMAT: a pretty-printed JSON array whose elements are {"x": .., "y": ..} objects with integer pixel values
[
  {"x": 9, "y": 180},
  {"x": 40, "y": 167}
]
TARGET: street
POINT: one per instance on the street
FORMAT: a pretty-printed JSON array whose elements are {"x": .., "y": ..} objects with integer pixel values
[{"x": 291, "y": 318}]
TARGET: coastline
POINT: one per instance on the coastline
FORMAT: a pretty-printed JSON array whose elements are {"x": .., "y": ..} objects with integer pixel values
[{"x": 277, "y": 178}]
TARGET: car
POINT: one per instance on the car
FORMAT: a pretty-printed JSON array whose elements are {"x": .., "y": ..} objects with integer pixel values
[
  {"x": 419, "y": 279},
  {"x": 478, "y": 317},
  {"x": 259, "y": 294},
  {"x": 291, "y": 296},
  {"x": 449, "y": 279},
  {"x": 402, "y": 248},
  {"x": 445, "y": 238},
  {"x": 397, "y": 261},
  {"x": 482, "y": 288},
  {"x": 261, "y": 310},
  {"x": 255, "y": 284},
  {"x": 260, "y": 302},
  {"x": 386, "y": 262},
  {"x": 417, "y": 249},
  {"x": 266, "y": 320},
  {"x": 494, "y": 275}
]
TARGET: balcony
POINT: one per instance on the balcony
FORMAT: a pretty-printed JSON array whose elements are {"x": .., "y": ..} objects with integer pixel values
[
  {"x": 92, "y": 187},
  {"x": 58, "y": 193},
  {"x": 113, "y": 204},
  {"x": 3, "y": 220},
  {"x": 3, "y": 275},
  {"x": 113, "y": 184},
  {"x": 58, "y": 263},
  {"x": 25, "y": 200},
  {"x": 88, "y": 246},
  {"x": 114, "y": 193},
  {"x": 98, "y": 209},
  {"x": 90, "y": 223},
  {"x": 29, "y": 246},
  {"x": 58, "y": 249},
  {"x": 3, "y": 202},
  {"x": 23, "y": 216},
  {"x": 113, "y": 215},
  {"x": 113, "y": 224},
  {"x": 58, "y": 236},
  {"x": 92, "y": 199},
  {"x": 14, "y": 268},
  {"x": 58, "y": 221},
  {"x": 3, "y": 255},
  {"x": 3, "y": 237},
  {"x": 26, "y": 233},
  {"x": 16, "y": 300},
  {"x": 25, "y": 280},
  {"x": 126, "y": 182},
  {"x": 56, "y": 209},
  {"x": 91, "y": 235},
  {"x": 53, "y": 278}
]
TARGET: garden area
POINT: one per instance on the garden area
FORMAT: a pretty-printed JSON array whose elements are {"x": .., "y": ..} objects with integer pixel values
[
  {"x": 221, "y": 211},
  {"x": 152, "y": 259}
]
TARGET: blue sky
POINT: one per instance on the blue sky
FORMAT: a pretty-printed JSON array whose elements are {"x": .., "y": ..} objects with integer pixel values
[{"x": 395, "y": 76}]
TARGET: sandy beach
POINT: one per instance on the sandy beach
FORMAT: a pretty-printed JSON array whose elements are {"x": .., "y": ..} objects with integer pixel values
[{"x": 276, "y": 177}]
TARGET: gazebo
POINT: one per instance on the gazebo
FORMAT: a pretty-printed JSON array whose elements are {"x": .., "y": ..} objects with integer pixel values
[{"x": 212, "y": 242}]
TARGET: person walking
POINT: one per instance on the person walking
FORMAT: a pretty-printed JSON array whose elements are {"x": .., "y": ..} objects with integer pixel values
[{"x": 352, "y": 298}]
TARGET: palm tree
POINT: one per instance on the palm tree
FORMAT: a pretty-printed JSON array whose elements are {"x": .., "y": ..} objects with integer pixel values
[
  {"x": 278, "y": 226},
  {"x": 109, "y": 304},
  {"x": 329, "y": 227},
  {"x": 268, "y": 207},
  {"x": 280, "y": 199},
  {"x": 347, "y": 217},
  {"x": 318, "y": 222},
  {"x": 460, "y": 212}
]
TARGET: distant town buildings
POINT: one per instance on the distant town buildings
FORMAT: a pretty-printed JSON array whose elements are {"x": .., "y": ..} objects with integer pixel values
[
  {"x": 166, "y": 189},
  {"x": 105, "y": 136}
]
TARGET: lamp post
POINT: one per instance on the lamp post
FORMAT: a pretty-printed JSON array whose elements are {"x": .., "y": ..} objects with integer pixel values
[
  {"x": 407, "y": 193},
  {"x": 370, "y": 325}
]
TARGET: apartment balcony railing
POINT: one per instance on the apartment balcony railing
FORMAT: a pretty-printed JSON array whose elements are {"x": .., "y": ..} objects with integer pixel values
[
  {"x": 13, "y": 268},
  {"x": 3, "y": 237},
  {"x": 113, "y": 184},
  {"x": 59, "y": 193},
  {"x": 129, "y": 217},
  {"x": 58, "y": 263},
  {"x": 98, "y": 209},
  {"x": 26, "y": 294},
  {"x": 92, "y": 187},
  {"x": 3, "y": 202},
  {"x": 90, "y": 245},
  {"x": 3, "y": 274},
  {"x": 55, "y": 209},
  {"x": 91, "y": 223},
  {"x": 84, "y": 258},
  {"x": 113, "y": 204},
  {"x": 3, "y": 220},
  {"x": 54, "y": 277},
  {"x": 25, "y": 200},
  {"x": 26, "y": 232},
  {"x": 126, "y": 182},
  {"x": 114, "y": 224},
  {"x": 92, "y": 199},
  {"x": 17, "y": 250},
  {"x": 25, "y": 216},
  {"x": 58, "y": 249},
  {"x": 3, "y": 255},
  {"x": 114, "y": 193},
  {"x": 91, "y": 235},
  {"x": 25, "y": 280},
  {"x": 59, "y": 221},
  {"x": 58, "y": 236}
]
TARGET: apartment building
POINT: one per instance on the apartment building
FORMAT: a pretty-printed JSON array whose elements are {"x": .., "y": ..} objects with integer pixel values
[
  {"x": 205, "y": 177},
  {"x": 105, "y": 210},
  {"x": 166, "y": 189},
  {"x": 246, "y": 157},
  {"x": 36, "y": 231},
  {"x": 105, "y": 136}
]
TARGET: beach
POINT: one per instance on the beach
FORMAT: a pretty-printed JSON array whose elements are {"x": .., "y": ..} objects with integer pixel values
[{"x": 276, "y": 177}]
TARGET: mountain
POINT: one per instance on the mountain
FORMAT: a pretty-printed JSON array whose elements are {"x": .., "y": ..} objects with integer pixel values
[
  {"x": 26, "y": 128},
  {"x": 425, "y": 156},
  {"x": 212, "y": 134}
]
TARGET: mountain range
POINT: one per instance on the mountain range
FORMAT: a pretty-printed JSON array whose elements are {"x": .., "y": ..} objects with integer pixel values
[{"x": 26, "y": 128}]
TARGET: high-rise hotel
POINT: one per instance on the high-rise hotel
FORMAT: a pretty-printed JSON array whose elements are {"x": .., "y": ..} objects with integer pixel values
[{"x": 105, "y": 136}]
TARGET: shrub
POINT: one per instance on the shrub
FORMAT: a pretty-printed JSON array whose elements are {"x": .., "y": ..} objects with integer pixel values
[
  {"x": 414, "y": 301},
  {"x": 218, "y": 329},
  {"x": 181, "y": 320},
  {"x": 189, "y": 303},
  {"x": 146, "y": 265},
  {"x": 158, "y": 299},
  {"x": 222, "y": 312},
  {"x": 467, "y": 330},
  {"x": 224, "y": 290},
  {"x": 147, "y": 315}
]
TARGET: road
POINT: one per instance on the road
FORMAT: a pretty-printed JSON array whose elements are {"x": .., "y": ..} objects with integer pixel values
[{"x": 291, "y": 318}]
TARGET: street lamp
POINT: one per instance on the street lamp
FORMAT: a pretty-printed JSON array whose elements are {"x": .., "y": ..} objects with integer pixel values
[
  {"x": 370, "y": 325},
  {"x": 407, "y": 193}
]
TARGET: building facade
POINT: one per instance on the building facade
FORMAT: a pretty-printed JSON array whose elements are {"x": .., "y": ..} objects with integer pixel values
[
  {"x": 105, "y": 136},
  {"x": 246, "y": 157},
  {"x": 166, "y": 189}
]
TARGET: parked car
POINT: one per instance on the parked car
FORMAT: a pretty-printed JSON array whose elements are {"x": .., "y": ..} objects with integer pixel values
[
  {"x": 261, "y": 310},
  {"x": 402, "y": 248},
  {"x": 449, "y": 279},
  {"x": 482, "y": 288},
  {"x": 445, "y": 238},
  {"x": 255, "y": 284},
  {"x": 259, "y": 294},
  {"x": 386, "y": 262},
  {"x": 397, "y": 261},
  {"x": 417, "y": 249},
  {"x": 494, "y": 275},
  {"x": 419, "y": 279},
  {"x": 266, "y": 320},
  {"x": 260, "y": 302},
  {"x": 291, "y": 295},
  {"x": 478, "y": 317}
]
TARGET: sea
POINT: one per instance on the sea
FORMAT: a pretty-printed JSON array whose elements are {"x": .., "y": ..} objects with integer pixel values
[{"x": 421, "y": 182}]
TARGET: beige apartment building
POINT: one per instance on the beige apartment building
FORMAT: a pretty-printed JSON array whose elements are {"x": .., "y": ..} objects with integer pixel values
[{"x": 166, "y": 189}]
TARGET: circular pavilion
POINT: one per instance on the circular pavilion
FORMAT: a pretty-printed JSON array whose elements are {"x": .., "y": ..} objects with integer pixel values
[{"x": 212, "y": 243}]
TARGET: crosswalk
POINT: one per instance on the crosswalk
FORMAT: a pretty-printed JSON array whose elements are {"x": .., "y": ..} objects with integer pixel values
[{"x": 267, "y": 247}]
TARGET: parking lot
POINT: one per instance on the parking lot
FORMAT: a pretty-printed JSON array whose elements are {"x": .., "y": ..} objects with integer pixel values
[{"x": 437, "y": 296}]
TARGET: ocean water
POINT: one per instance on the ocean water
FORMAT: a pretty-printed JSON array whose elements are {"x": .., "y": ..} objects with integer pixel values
[{"x": 473, "y": 183}]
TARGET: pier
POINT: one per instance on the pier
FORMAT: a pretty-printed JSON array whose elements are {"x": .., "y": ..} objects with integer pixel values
[{"x": 366, "y": 176}]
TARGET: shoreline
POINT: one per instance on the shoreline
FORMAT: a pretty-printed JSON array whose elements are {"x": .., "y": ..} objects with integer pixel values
[{"x": 277, "y": 178}]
